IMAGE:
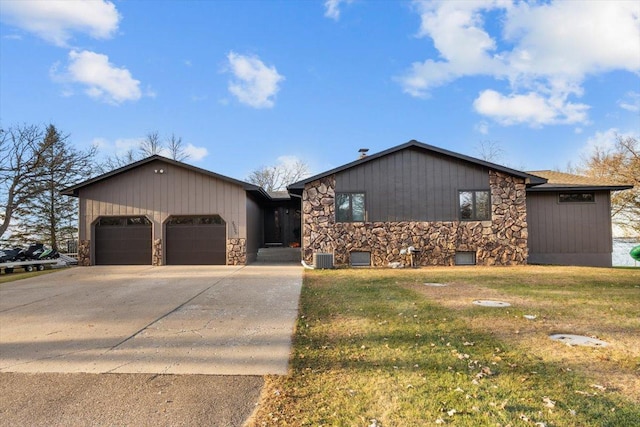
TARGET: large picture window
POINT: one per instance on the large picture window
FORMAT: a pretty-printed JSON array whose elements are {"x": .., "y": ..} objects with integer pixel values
[
  {"x": 475, "y": 205},
  {"x": 350, "y": 207}
]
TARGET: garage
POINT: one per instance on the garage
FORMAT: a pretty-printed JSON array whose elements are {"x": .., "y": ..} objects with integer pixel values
[
  {"x": 123, "y": 241},
  {"x": 196, "y": 240}
]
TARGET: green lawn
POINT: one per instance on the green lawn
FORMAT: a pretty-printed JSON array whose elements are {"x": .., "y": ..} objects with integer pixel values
[
  {"x": 21, "y": 274},
  {"x": 378, "y": 347}
]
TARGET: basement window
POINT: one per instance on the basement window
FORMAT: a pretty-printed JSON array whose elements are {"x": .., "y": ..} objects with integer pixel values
[
  {"x": 465, "y": 258},
  {"x": 577, "y": 197},
  {"x": 360, "y": 259}
]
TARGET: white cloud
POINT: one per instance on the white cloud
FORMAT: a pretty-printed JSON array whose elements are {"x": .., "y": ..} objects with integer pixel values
[
  {"x": 289, "y": 161},
  {"x": 123, "y": 145},
  {"x": 254, "y": 84},
  {"x": 56, "y": 20},
  {"x": 631, "y": 102},
  {"x": 531, "y": 108},
  {"x": 606, "y": 140},
  {"x": 196, "y": 153},
  {"x": 332, "y": 8},
  {"x": 551, "y": 48},
  {"x": 482, "y": 127},
  {"x": 102, "y": 80}
]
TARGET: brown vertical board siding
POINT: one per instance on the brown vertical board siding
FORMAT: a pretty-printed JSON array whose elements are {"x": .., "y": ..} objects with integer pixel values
[
  {"x": 255, "y": 224},
  {"x": 569, "y": 233},
  {"x": 412, "y": 185}
]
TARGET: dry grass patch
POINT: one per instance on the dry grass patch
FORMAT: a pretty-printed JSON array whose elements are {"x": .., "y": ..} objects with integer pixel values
[
  {"x": 596, "y": 312},
  {"x": 377, "y": 347}
]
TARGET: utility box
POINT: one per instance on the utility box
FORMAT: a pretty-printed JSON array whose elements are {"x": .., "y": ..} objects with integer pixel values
[{"x": 322, "y": 260}]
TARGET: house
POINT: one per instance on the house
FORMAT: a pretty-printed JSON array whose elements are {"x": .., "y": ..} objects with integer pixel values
[
  {"x": 454, "y": 210},
  {"x": 451, "y": 208}
]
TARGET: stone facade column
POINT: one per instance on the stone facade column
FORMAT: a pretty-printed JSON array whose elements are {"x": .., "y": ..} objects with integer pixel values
[
  {"x": 237, "y": 251},
  {"x": 318, "y": 217},
  {"x": 156, "y": 256},
  {"x": 84, "y": 253}
]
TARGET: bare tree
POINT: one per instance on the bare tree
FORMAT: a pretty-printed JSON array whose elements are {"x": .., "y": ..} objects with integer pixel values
[
  {"x": 21, "y": 157},
  {"x": 276, "y": 178},
  {"x": 176, "y": 148},
  {"x": 621, "y": 164},
  {"x": 490, "y": 150},
  {"x": 152, "y": 144}
]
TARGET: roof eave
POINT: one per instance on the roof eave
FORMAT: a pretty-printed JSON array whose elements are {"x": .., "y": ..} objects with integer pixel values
[
  {"x": 560, "y": 187},
  {"x": 74, "y": 190},
  {"x": 530, "y": 179}
]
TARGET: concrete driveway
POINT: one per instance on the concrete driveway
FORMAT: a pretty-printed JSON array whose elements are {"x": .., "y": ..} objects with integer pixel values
[{"x": 158, "y": 320}]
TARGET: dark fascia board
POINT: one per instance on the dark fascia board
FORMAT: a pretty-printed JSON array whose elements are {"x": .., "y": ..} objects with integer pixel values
[
  {"x": 578, "y": 187},
  {"x": 297, "y": 187},
  {"x": 73, "y": 190}
]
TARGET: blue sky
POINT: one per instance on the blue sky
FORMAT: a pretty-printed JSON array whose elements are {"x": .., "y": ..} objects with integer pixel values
[{"x": 254, "y": 83}]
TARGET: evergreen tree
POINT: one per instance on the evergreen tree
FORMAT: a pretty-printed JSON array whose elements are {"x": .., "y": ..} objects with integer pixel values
[{"x": 49, "y": 214}]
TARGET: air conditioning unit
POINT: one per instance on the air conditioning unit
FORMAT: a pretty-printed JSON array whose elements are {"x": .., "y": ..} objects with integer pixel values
[{"x": 322, "y": 261}]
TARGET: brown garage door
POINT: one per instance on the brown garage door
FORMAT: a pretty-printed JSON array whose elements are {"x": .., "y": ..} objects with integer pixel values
[
  {"x": 123, "y": 241},
  {"x": 196, "y": 240}
]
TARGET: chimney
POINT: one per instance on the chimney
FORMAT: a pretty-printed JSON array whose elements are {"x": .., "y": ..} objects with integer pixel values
[{"x": 363, "y": 152}]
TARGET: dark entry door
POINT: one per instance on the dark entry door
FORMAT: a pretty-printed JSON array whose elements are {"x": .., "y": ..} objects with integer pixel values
[
  {"x": 272, "y": 226},
  {"x": 196, "y": 241},
  {"x": 123, "y": 241}
]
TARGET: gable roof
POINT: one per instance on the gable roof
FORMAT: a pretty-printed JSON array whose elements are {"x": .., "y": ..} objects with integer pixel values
[
  {"x": 73, "y": 190},
  {"x": 297, "y": 187},
  {"x": 567, "y": 181}
]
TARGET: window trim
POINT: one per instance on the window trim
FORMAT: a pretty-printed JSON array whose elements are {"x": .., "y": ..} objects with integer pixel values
[
  {"x": 350, "y": 213},
  {"x": 574, "y": 202},
  {"x": 474, "y": 210}
]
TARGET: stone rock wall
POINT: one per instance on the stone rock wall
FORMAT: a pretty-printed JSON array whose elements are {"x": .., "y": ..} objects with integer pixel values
[
  {"x": 500, "y": 241},
  {"x": 84, "y": 253},
  {"x": 237, "y": 251},
  {"x": 156, "y": 256}
]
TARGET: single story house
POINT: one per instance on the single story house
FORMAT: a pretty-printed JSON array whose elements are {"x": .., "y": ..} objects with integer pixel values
[
  {"x": 454, "y": 209},
  {"x": 451, "y": 208}
]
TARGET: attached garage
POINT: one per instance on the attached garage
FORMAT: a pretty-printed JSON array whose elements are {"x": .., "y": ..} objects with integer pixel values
[
  {"x": 123, "y": 241},
  {"x": 196, "y": 240},
  {"x": 159, "y": 211}
]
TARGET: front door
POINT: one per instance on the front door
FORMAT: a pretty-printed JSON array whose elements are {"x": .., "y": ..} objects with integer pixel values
[{"x": 273, "y": 227}]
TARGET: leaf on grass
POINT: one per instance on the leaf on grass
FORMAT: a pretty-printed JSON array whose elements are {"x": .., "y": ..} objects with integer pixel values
[
  {"x": 439, "y": 421},
  {"x": 548, "y": 402}
]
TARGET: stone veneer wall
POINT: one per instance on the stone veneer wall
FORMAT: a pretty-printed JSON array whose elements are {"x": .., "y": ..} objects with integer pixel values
[
  {"x": 237, "y": 251},
  {"x": 500, "y": 241},
  {"x": 84, "y": 253},
  {"x": 156, "y": 256}
]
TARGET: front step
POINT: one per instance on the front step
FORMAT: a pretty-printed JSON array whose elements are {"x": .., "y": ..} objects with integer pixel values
[{"x": 279, "y": 255}]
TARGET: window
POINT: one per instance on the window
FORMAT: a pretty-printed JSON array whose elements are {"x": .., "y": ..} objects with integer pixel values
[
  {"x": 475, "y": 205},
  {"x": 360, "y": 259},
  {"x": 581, "y": 197},
  {"x": 123, "y": 221},
  {"x": 350, "y": 207},
  {"x": 465, "y": 258},
  {"x": 195, "y": 220}
]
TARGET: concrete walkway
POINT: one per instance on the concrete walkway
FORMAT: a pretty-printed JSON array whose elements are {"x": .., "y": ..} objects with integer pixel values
[{"x": 158, "y": 320}]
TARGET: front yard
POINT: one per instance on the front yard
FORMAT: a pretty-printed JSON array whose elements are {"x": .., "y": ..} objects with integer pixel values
[{"x": 381, "y": 348}]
